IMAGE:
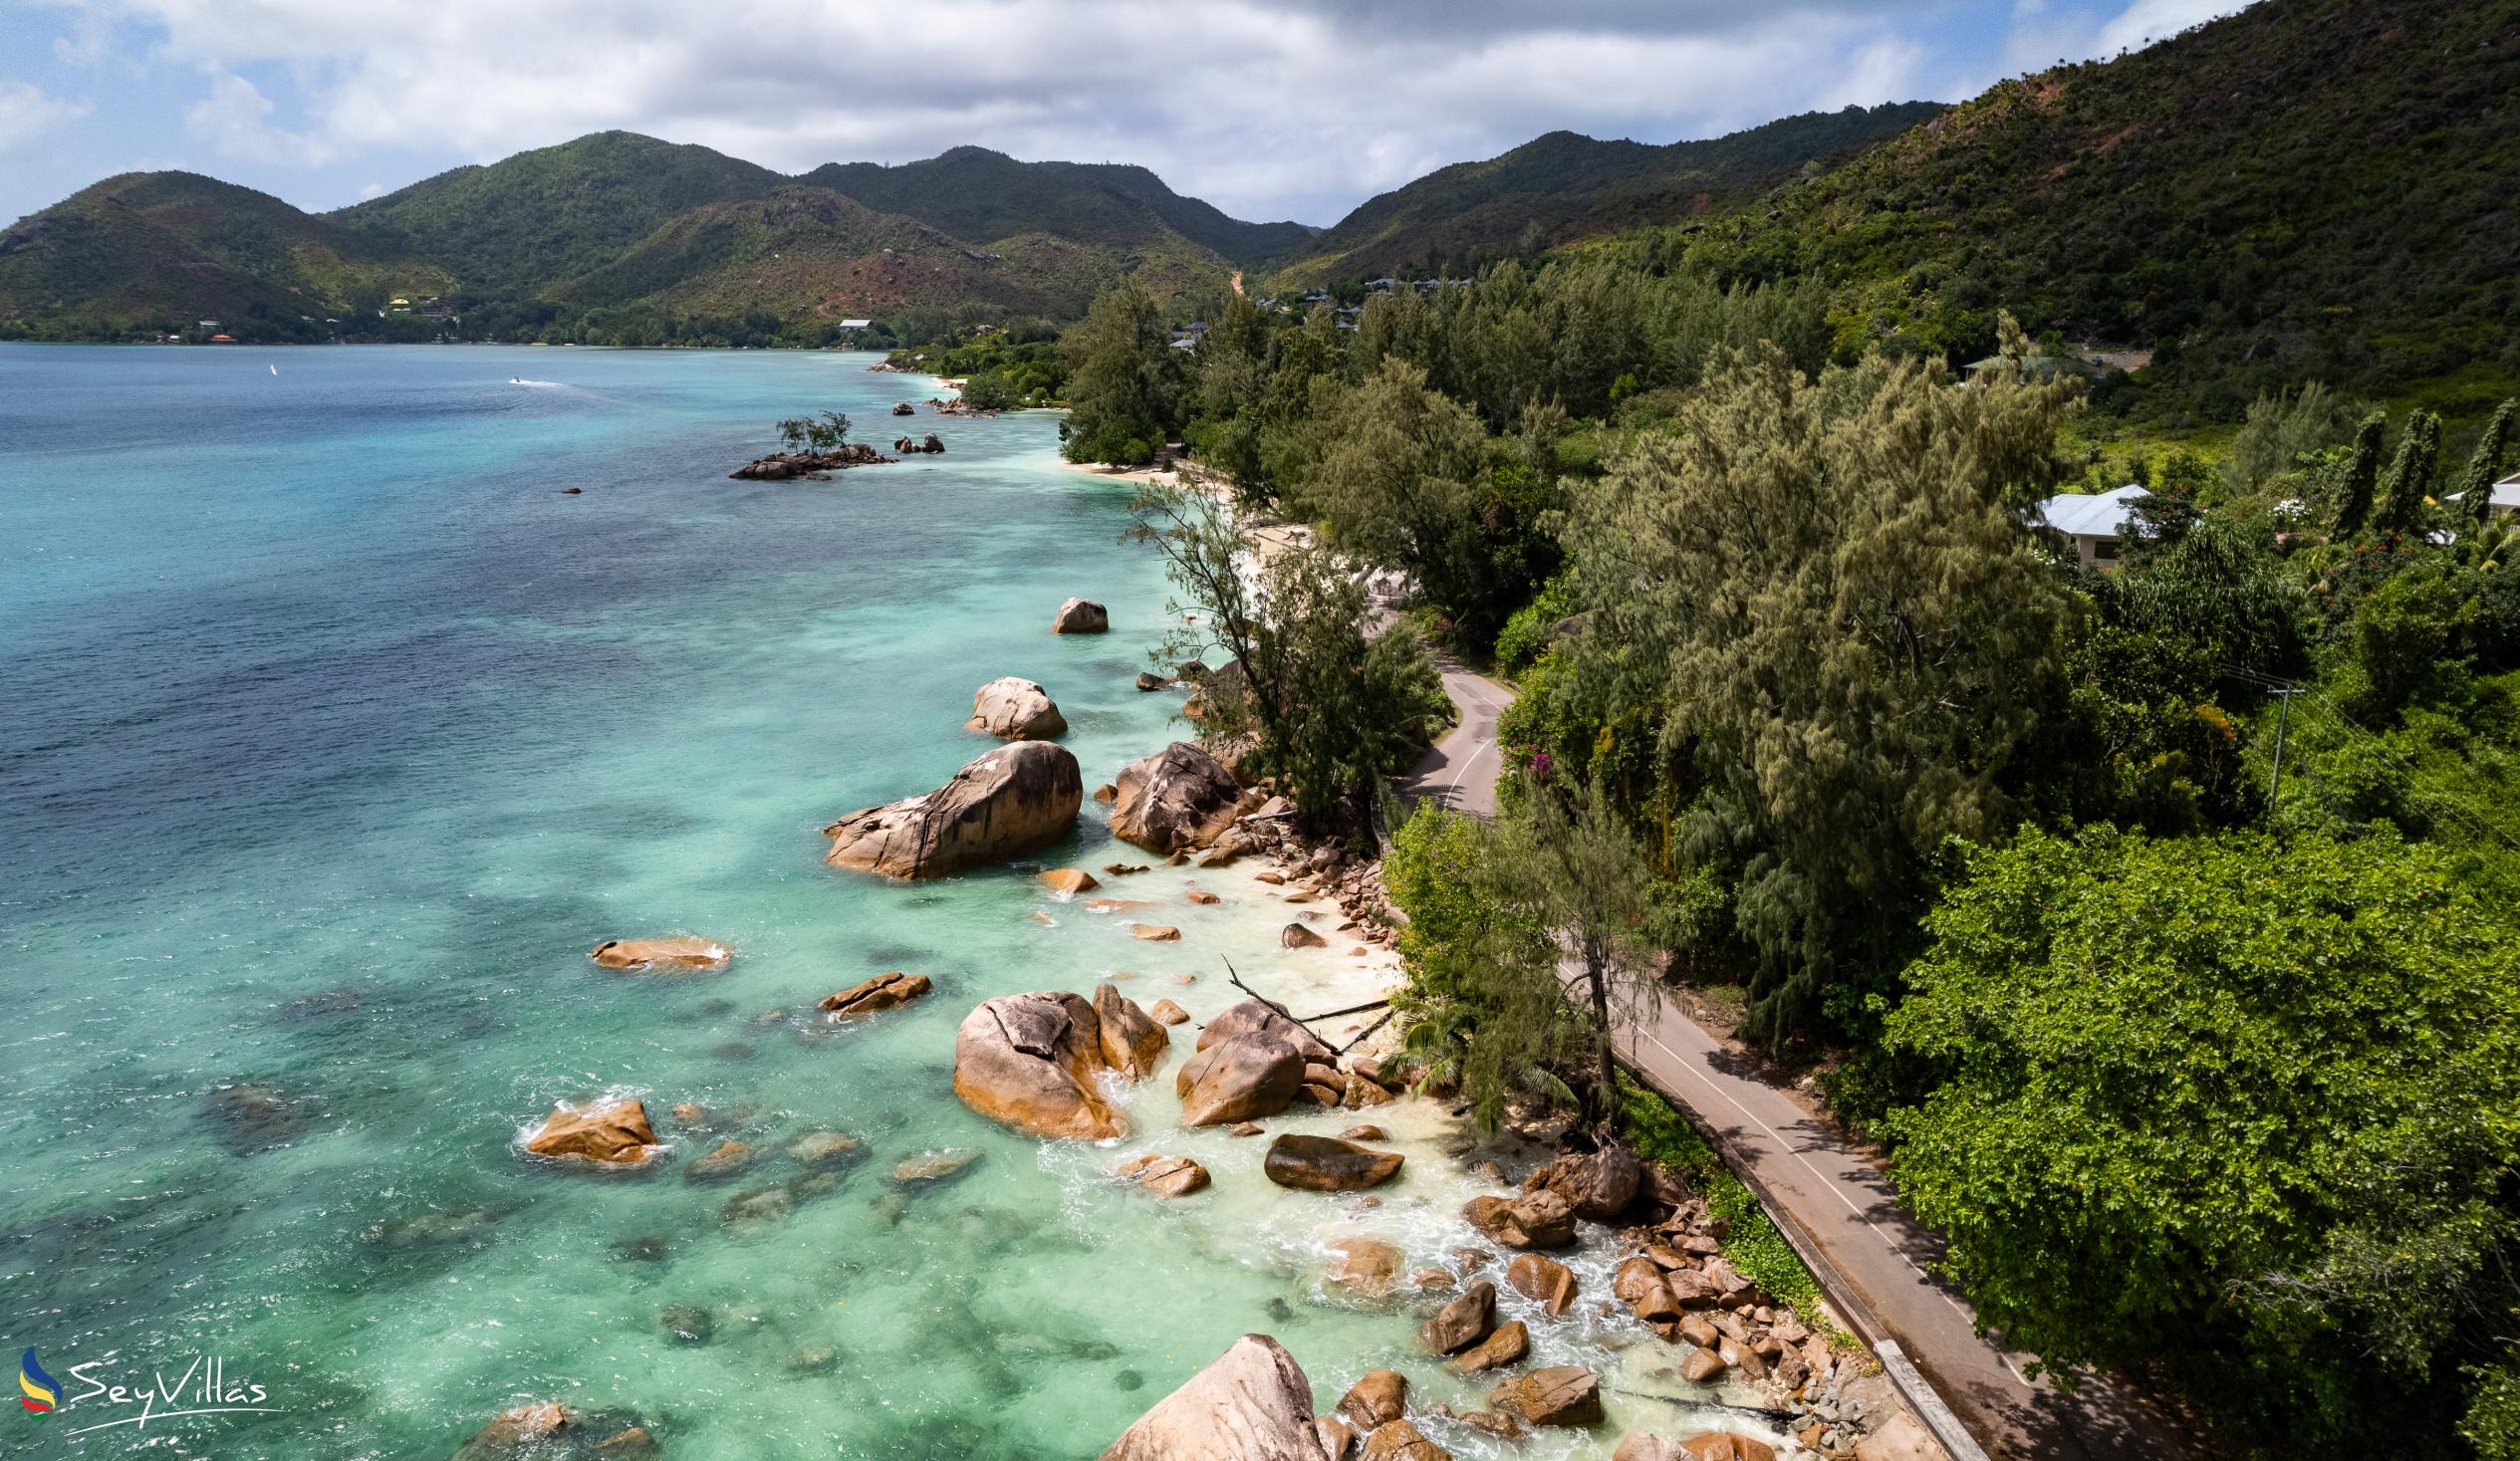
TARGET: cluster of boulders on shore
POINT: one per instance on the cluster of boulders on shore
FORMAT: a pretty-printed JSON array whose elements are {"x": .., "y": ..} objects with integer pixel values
[
  {"x": 782, "y": 466},
  {"x": 1254, "y": 1403},
  {"x": 1674, "y": 1279},
  {"x": 1053, "y": 1064}
]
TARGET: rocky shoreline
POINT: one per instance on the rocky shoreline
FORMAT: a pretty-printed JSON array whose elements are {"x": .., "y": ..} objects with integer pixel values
[{"x": 1584, "y": 1242}]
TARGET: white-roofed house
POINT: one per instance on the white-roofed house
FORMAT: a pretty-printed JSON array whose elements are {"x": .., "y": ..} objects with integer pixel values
[
  {"x": 2094, "y": 523},
  {"x": 2506, "y": 495}
]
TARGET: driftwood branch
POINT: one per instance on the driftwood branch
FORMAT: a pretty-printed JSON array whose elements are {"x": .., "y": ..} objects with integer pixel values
[
  {"x": 1384, "y": 1005},
  {"x": 1368, "y": 1030}
]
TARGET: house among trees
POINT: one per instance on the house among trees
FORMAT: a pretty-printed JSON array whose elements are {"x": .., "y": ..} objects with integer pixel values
[
  {"x": 2506, "y": 496},
  {"x": 2093, "y": 523}
]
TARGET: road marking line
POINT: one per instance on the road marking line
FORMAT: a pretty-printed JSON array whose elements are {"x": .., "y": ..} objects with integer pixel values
[{"x": 1689, "y": 1068}]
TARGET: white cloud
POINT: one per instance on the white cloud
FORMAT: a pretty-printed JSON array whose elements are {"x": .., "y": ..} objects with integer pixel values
[
  {"x": 1300, "y": 107},
  {"x": 27, "y": 114},
  {"x": 234, "y": 120},
  {"x": 1266, "y": 107}
]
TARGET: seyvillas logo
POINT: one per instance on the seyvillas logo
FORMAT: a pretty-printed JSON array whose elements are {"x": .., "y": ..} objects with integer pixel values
[
  {"x": 204, "y": 1387},
  {"x": 37, "y": 1391}
]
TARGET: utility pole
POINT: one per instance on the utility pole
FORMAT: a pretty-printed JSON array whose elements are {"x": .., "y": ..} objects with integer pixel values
[{"x": 2283, "y": 718}]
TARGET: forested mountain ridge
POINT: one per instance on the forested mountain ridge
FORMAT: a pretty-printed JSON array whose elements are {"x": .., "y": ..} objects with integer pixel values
[
  {"x": 673, "y": 243},
  {"x": 978, "y": 194},
  {"x": 185, "y": 247},
  {"x": 2306, "y": 190},
  {"x": 1565, "y": 186},
  {"x": 516, "y": 226}
]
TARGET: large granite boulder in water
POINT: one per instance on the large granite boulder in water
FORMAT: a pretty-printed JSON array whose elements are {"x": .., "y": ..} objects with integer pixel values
[
  {"x": 1014, "y": 709},
  {"x": 1599, "y": 1186},
  {"x": 1240, "y": 1080},
  {"x": 1178, "y": 798},
  {"x": 1016, "y": 799},
  {"x": 1252, "y": 1404},
  {"x": 1326, "y": 1164},
  {"x": 1081, "y": 616},
  {"x": 1259, "y": 1017},
  {"x": 1132, "y": 1043},
  {"x": 1035, "y": 1062},
  {"x": 676, "y": 954}
]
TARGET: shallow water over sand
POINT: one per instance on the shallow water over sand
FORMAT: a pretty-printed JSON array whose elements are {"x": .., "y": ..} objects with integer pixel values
[{"x": 337, "y": 735}]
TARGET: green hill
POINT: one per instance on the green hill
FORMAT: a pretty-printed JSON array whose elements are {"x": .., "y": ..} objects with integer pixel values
[
  {"x": 1202, "y": 222},
  {"x": 2305, "y": 189},
  {"x": 811, "y": 252},
  {"x": 163, "y": 250},
  {"x": 974, "y": 194},
  {"x": 1564, "y": 186},
  {"x": 514, "y": 227}
]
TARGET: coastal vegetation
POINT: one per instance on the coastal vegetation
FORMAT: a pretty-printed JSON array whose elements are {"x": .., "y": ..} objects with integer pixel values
[{"x": 2154, "y": 919}]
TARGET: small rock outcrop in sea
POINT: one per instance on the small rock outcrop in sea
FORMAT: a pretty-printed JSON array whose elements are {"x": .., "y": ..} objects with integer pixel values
[
  {"x": 1240, "y": 1080},
  {"x": 782, "y": 466},
  {"x": 930, "y": 444},
  {"x": 1252, "y": 1404},
  {"x": 1133, "y": 1040},
  {"x": 1012, "y": 708},
  {"x": 248, "y": 1117},
  {"x": 1533, "y": 1220},
  {"x": 1713, "y": 1445},
  {"x": 1326, "y": 1164},
  {"x": 1462, "y": 1322},
  {"x": 904, "y": 409},
  {"x": 1297, "y": 936},
  {"x": 1165, "y": 1176},
  {"x": 1081, "y": 616},
  {"x": 1379, "y": 1398},
  {"x": 1036, "y": 1061},
  {"x": 1400, "y": 1441},
  {"x": 1544, "y": 1279},
  {"x": 553, "y": 1431},
  {"x": 874, "y": 996},
  {"x": 1177, "y": 800},
  {"x": 1366, "y": 1267},
  {"x": 616, "y": 1133},
  {"x": 1562, "y": 1394},
  {"x": 676, "y": 954},
  {"x": 1016, "y": 799},
  {"x": 1067, "y": 882}
]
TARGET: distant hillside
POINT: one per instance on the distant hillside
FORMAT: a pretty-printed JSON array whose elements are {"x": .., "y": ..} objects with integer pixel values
[
  {"x": 985, "y": 196},
  {"x": 2305, "y": 189},
  {"x": 1565, "y": 186},
  {"x": 180, "y": 247},
  {"x": 679, "y": 243},
  {"x": 1202, "y": 222},
  {"x": 811, "y": 251},
  {"x": 518, "y": 225}
]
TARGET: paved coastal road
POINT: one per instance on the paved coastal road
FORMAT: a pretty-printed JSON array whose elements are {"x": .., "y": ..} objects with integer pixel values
[
  {"x": 1833, "y": 1195},
  {"x": 1461, "y": 771}
]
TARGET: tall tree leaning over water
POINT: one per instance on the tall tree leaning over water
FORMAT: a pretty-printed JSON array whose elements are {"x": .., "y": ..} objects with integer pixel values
[{"x": 1827, "y": 591}]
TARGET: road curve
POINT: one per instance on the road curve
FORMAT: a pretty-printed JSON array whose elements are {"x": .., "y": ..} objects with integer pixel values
[{"x": 1461, "y": 771}]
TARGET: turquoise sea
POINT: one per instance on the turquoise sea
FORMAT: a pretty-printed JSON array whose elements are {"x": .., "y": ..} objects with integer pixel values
[{"x": 334, "y": 735}]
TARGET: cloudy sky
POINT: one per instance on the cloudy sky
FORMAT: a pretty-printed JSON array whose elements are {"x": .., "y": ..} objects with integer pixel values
[{"x": 1270, "y": 108}]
